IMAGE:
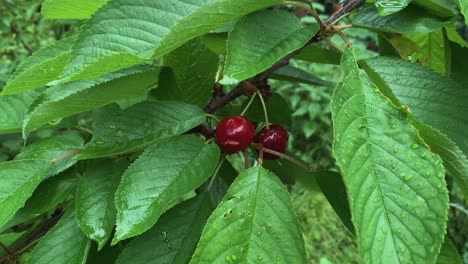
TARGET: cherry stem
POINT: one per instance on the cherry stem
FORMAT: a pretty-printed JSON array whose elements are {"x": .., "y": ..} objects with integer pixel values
[
  {"x": 215, "y": 172},
  {"x": 264, "y": 110},
  {"x": 5, "y": 248},
  {"x": 73, "y": 152},
  {"x": 262, "y": 149},
  {"x": 260, "y": 153},
  {"x": 248, "y": 104},
  {"x": 343, "y": 36}
]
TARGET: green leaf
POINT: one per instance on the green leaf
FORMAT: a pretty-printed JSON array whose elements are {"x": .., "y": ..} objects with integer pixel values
[
  {"x": 13, "y": 109},
  {"x": 333, "y": 187},
  {"x": 216, "y": 42},
  {"x": 464, "y": 9},
  {"x": 70, "y": 9},
  {"x": 442, "y": 8},
  {"x": 277, "y": 108},
  {"x": 413, "y": 85},
  {"x": 293, "y": 74},
  {"x": 152, "y": 29},
  {"x": 434, "y": 50},
  {"x": 95, "y": 209},
  {"x": 455, "y": 161},
  {"x": 18, "y": 179},
  {"x": 194, "y": 68},
  {"x": 54, "y": 150},
  {"x": 448, "y": 254},
  {"x": 387, "y": 7},
  {"x": 459, "y": 64},
  {"x": 319, "y": 54},
  {"x": 453, "y": 35},
  {"x": 162, "y": 174},
  {"x": 252, "y": 49},
  {"x": 50, "y": 193},
  {"x": 64, "y": 243},
  {"x": 175, "y": 235},
  {"x": 258, "y": 218},
  {"x": 43, "y": 66},
  {"x": 395, "y": 184},
  {"x": 81, "y": 96},
  {"x": 123, "y": 131},
  {"x": 411, "y": 20}
]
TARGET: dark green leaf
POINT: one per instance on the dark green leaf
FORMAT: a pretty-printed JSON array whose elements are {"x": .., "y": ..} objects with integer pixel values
[
  {"x": 413, "y": 85},
  {"x": 95, "y": 209},
  {"x": 152, "y": 29},
  {"x": 258, "y": 218},
  {"x": 396, "y": 187},
  {"x": 252, "y": 49},
  {"x": 18, "y": 179},
  {"x": 278, "y": 110},
  {"x": 319, "y": 54},
  {"x": 175, "y": 235},
  {"x": 334, "y": 189},
  {"x": 81, "y": 96},
  {"x": 123, "y": 131},
  {"x": 194, "y": 68},
  {"x": 293, "y": 74},
  {"x": 459, "y": 64},
  {"x": 54, "y": 150},
  {"x": 442, "y": 8},
  {"x": 64, "y": 243},
  {"x": 448, "y": 254},
  {"x": 162, "y": 174},
  {"x": 216, "y": 42},
  {"x": 8, "y": 239},
  {"x": 411, "y": 20}
]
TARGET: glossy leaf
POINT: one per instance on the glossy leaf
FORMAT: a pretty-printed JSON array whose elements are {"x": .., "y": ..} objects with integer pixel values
[
  {"x": 162, "y": 174},
  {"x": 194, "y": 68},
  {"x": 333, "y": 187},
  {"x": 175, "y": 235},
  {"x": 123, "y": 131},
  {"x": 216, "y": 42},
  {"x": 411, "y": 20},
  {"x": 64, "y": 243},
  {"x": 50, "y": 193},
  {"x": 153, "y": 28},
  {"x": 43, "y": 66},
  {"x": 415, "y": 87},
  {"x": 54, "y": 150},
  {"x": 395, "y": 184},
  {"x": 13, "y": 109},
  {"x": 448, "y": 254},
  {"x": 18, "y": 179},
  {"x": 442, "y": 8},
  {"x": 387, "y": 7},
  {"x": 95, "y": 209},
  {"x": 70, "y": 9},
  {"x": 81, "y": 96},
  {"x": 266, "y": 44},
  {"x": 258, "y": 218},
  {"x": 293, "y": 74}
]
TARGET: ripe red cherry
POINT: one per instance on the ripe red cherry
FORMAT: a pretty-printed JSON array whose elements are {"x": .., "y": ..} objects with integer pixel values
[
  {"x": 234, "y": 133},
  {"x": 275, "y": 138}
]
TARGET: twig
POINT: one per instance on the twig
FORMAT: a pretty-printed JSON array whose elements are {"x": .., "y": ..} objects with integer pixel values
[{"x": 262, "y": 149}]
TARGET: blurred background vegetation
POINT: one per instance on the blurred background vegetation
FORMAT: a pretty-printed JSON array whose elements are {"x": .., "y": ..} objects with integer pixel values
[{"x": 23, "y": 31}]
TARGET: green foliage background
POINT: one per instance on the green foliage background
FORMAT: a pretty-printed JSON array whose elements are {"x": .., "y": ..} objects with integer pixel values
[{"x": 22, "y": 31}]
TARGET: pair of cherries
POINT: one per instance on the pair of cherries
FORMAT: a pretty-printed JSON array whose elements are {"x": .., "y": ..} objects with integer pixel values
[{"x": 236, "y": 133}]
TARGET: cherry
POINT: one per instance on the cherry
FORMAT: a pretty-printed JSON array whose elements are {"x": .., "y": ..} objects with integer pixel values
[
  {"x": 275, "y": 138},
  {"x": 234, "y": 133}
]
